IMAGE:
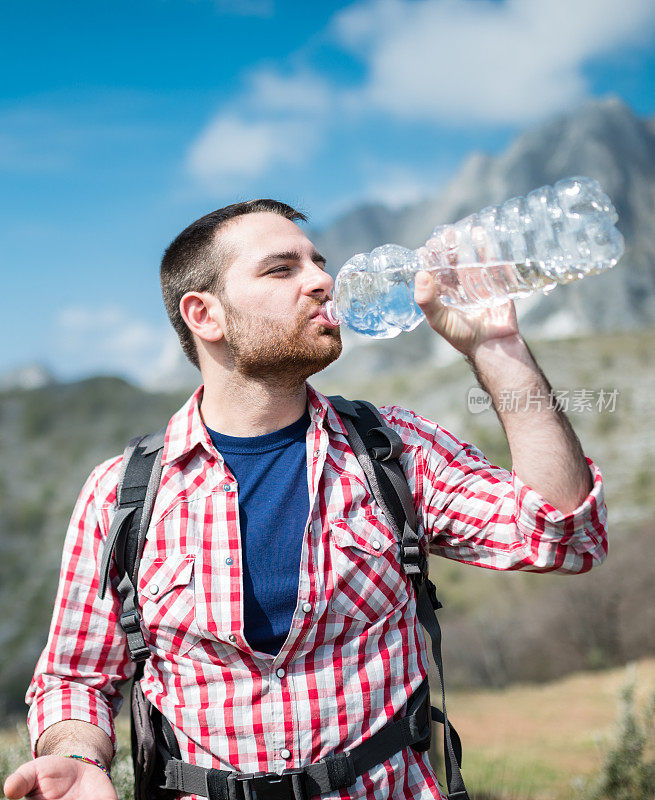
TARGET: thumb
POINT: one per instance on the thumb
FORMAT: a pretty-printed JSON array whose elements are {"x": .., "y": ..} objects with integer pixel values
[{"x": 21, "y": 782}]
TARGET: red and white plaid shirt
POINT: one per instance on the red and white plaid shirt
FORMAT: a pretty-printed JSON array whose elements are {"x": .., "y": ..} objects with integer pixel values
[{"x": 355, "y": 652}]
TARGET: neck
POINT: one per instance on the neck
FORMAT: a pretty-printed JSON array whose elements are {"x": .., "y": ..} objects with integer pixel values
[{"x": 239, "y": 406}]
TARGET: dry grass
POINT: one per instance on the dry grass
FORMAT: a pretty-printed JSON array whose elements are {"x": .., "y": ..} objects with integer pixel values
[{"x": 537, "y": 741}]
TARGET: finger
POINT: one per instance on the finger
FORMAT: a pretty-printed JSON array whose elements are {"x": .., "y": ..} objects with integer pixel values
[
  {"x": 21, "y": 782},
  {"x": 425, "y": 291}
]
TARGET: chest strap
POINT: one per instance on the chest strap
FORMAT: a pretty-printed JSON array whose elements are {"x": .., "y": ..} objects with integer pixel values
[{"x": 338, "y": 771}]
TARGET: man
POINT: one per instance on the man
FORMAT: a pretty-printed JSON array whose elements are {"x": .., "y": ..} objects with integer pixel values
[{"x": 280, "y": 623}]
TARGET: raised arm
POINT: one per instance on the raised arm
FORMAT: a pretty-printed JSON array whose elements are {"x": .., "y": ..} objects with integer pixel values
[{"x": 546, "y": 453}]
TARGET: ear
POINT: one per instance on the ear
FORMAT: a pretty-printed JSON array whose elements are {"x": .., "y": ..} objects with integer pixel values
[{"x": 203, "y": 315}]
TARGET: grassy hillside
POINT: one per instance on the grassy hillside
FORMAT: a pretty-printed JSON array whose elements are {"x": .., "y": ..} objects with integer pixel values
[
  {"x": 50, "y": 440},
  {"x": 539, "y": 742}
]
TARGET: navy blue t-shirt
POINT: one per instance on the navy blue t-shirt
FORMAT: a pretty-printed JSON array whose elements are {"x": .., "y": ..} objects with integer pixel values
[{"x": 271, "y": 473}]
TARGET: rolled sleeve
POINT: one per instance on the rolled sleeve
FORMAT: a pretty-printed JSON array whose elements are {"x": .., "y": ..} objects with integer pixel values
[
  {"x": 481, "y": 514},
  {"x": 484, "y": 515},
  {"x": 85, "y": 661},
  {"x": 57, "y": 700},
  {"x": 570, "y": 542}
]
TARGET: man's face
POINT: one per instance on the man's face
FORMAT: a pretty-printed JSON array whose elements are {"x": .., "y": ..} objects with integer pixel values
[{"x": 274, "y": 290}]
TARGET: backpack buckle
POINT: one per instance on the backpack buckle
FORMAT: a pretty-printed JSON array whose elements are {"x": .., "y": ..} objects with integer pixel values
[
  {"x": 412, "y": 555},
  {"x": 289, "y": 785}
]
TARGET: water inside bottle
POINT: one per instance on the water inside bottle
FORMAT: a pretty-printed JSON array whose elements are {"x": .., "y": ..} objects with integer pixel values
[{"x": 470, "y": 286}]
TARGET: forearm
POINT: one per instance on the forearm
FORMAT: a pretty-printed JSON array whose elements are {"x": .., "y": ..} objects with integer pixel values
[
  {"x": 546, "y": 453},
  {"x": 76, "y": 737}
]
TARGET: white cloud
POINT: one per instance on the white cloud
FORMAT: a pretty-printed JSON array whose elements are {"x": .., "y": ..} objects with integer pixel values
[
  {"x": 466, "y": 61},
  {"x": 397, "y": 186},
  {"x": 232, "y": 148},
  {"x": 276, "y": 121},
  {"x": 111, "y": 340},
  {"x": 455, "y": 62},
  {"x": 303, "y": 93}
]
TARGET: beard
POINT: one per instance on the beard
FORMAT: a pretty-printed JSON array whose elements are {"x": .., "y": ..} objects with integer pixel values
[{"x": 269, "y": 351}]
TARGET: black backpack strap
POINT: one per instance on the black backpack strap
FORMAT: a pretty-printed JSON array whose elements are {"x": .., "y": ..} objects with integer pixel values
[
  {"x": 378, "y": 448},
  {"x": 137, "y": 489}
]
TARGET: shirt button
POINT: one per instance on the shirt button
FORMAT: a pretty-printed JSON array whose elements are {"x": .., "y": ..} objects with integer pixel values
[
  {"x": 226, "y": 487},
  {"x": 153, "y": 588},
  {"x": 285, "y": 753},
  {"x": 232, "y": 637},
  {"x": 317, "y": 452},
  {"x": 229, "y": 561},
  {"x": 306, "y": 607},
  {"x": 376, "y": 545},
  {"x": 280, "y": 672}
]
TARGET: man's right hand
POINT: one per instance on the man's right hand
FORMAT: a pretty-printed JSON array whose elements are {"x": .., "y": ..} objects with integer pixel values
[{"x": 59, "y": 778}]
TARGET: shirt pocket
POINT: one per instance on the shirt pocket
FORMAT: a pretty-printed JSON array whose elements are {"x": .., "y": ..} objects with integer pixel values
[
  {"x": 167, "y": 600},
  {"x": 368, "y": 580}
]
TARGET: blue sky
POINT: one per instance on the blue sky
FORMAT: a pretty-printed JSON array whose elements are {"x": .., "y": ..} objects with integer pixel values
[{"x": 122, "y": 122}]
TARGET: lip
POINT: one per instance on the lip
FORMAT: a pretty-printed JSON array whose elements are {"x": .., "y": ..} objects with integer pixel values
[{"x": 322, "y": 319}]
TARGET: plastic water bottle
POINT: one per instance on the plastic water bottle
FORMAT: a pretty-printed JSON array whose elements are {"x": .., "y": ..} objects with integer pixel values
[{"x": 553, "y": 235}]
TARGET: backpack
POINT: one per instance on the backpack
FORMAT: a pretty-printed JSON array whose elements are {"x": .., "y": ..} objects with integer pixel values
[{"x": 158, "y": 769}]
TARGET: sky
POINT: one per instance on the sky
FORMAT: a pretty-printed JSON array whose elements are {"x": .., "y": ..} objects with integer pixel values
[{"x": 122, "y": 122}]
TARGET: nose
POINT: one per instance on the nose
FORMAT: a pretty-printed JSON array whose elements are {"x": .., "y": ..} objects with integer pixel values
[{"x": 317, "y": 280}]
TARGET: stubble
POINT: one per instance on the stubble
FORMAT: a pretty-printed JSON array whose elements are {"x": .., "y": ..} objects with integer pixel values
[{"x": 269, "y": 352}]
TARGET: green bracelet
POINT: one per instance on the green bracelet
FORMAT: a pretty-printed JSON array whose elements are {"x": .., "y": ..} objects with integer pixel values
[{"x": 91, "y": 761}]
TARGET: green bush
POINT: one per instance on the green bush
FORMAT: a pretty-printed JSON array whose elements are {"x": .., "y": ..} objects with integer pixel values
[{"x": 628, "y": 771}]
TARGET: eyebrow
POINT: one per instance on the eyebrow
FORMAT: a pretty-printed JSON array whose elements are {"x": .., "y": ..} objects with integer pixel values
[{"x": 291, "y": 255}]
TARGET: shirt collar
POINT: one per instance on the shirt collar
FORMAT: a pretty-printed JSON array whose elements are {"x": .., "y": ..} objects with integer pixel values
[
  {"x": 186, "y": 429},
  {"x": 322, "y": 412}
]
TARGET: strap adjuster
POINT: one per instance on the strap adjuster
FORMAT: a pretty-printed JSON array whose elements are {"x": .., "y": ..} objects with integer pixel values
[
  {"x": 341, "y": 770},
  {"x": 413, "y": 558},
  {"x": 130, "y": 621}
]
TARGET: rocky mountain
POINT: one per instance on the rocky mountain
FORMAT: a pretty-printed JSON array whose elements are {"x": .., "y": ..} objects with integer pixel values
[{"x": 602, "y": 139}]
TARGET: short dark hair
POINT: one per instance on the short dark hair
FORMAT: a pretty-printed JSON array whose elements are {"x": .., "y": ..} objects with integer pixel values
[{"x": 193, "y": 262}]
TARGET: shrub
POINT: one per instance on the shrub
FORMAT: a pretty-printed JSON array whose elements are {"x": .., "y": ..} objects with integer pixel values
[{"x": 628, "y": 771}]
